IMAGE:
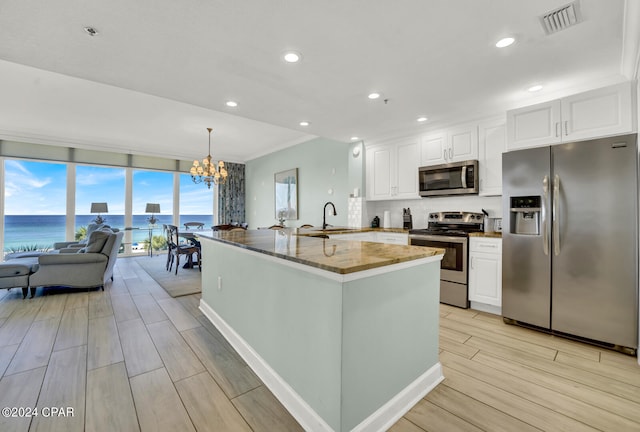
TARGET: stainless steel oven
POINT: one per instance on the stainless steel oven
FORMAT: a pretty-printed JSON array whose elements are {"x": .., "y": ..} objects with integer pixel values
[
  {"x": 450, "y": 231},
  {"x": 453, "y": 266},
  {"x": 458, "y": 178}
]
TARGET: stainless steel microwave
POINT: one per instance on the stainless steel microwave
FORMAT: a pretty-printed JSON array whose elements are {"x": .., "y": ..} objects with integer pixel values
[{"x": 458, "y": 178}]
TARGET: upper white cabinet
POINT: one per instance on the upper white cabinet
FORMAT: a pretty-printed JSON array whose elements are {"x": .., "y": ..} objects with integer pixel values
[
  {"x": 592, "y": 114},
  {"x": 463, "y": 143},
  {"x": 433, "y": 148},
  {"x": 453, "y": 145},
  {"x": 392, "y": 170},
  {"x": 492, "y": 142}
]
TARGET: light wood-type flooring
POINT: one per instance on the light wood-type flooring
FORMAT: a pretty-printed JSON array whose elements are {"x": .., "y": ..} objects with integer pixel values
[{"x": 132, "y": 358}]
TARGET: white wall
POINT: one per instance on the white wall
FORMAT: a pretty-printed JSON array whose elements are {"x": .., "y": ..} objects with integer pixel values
[{"x": 422, "y": 207}]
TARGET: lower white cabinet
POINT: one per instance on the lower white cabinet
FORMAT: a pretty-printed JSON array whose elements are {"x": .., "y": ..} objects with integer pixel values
[
  {"x": 376, "y": 237},
  {"x": 392, "y": 238},
  {"x": 485, "y": 273}
]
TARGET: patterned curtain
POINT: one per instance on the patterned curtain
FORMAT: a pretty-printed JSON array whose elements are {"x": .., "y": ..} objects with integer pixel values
[{"x": 231, "y": 196}]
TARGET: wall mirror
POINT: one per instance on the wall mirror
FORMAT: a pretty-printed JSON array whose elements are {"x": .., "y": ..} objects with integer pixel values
[{"x": 286, "y": 186}]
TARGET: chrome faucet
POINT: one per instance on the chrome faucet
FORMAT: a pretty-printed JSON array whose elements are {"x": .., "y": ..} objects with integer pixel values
[{"x": 324, "y": 214}]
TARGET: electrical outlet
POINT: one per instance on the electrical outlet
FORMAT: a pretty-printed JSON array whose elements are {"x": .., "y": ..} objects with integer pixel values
[{"x": 219, "y": 283}]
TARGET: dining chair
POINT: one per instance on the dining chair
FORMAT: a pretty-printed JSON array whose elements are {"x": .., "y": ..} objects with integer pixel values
[
  {"x": 165, "y": 230},
  {"x": 177, "y": 249}
]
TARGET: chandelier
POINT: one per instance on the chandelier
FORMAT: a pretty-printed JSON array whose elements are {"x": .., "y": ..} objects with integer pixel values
[{"x": 208, "y": 172}]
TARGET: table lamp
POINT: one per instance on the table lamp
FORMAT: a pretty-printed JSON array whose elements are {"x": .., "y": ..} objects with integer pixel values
[
  {"x": 99, "y": 207},
  {"x": 153, "y": 209}
]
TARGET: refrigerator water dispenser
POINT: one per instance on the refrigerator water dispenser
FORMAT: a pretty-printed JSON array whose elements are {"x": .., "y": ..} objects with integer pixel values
[{"x": 525, "y": 215}]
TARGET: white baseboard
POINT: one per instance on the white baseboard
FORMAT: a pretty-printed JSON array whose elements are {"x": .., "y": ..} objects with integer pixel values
[
  {"x": 299, "y": 409},
  {"x": 381, "y": 420},
  {"x": 388, "y": 414},
  {"x": 483, "y": 307}
]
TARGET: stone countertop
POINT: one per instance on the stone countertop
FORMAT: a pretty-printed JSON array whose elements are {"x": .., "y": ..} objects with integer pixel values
[
  {"x": 338, "y": 256},
  {"x": 493, "y": 234}
]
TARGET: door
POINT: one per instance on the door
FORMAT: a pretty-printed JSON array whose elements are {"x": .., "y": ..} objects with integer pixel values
[
  {"x": 453, "y": 266},
  {"x": 605, "y": 111},
  {"x": 484, "y": 278},
  {"x": 526, "y": 260},
  {"x": 493, "y": 137},
  {"x": 594, "y": 241},
  {"x": 408, "y": 155},
  {"x": 463, "y": 143},
  {"x": 533, "y": 126},
  {"x": 433, "y": 149},
  {"x": 379, "y": 161}
]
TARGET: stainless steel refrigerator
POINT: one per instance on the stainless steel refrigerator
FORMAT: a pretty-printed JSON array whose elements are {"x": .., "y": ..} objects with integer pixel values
[{"x": 570, "y": 239}]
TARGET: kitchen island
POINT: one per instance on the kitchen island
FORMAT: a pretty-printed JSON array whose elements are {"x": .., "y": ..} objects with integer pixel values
[{"x": 344, "y": 333}]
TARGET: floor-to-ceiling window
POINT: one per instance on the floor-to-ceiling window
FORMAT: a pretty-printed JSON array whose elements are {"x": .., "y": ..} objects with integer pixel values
[
  {"x": 44, "y": 202},
  {"x": 151, "y": 187},
  {"x": 96, "y": 184},
  {"x": 35, "y": 204},
  {"x": 196, "y": 202}
]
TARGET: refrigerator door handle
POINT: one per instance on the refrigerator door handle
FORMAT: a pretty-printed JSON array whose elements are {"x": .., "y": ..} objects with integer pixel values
[
  {"x": 545, "y": 225},
  {"x": 463, "y": 177},
  {"x": 556, "y": 222}
]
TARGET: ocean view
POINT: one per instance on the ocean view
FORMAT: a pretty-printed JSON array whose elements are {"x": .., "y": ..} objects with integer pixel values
[{"x": 29, "y": 230}]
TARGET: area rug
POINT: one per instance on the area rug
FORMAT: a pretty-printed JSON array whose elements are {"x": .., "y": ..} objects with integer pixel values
[{"x": 187, "y": 281}]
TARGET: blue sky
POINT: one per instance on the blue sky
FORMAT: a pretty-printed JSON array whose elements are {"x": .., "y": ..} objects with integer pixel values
[{"x": 39, "y": 188}]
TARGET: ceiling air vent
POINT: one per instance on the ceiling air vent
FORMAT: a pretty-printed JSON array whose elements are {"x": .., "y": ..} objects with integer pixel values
[{"x": 561, "y": 18}]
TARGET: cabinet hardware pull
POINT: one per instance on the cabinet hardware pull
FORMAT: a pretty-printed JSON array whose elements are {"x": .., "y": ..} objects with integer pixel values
[{"x": 566, "y": 127}]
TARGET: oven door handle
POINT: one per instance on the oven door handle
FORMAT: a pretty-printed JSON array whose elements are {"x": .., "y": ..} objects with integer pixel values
[{"x": 438, "y": 238}]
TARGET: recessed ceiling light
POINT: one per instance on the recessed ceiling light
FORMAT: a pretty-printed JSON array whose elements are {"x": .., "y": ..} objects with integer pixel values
[
  {"x": 304, "y": 123},
  {"x": 505, "y": 42},
  {"x": 422, "y": 119},
  {"x": 90, "y": 31},
  {"x": 373, "y": 95},
  {"x": 355, "y": 138},
  {"x": 292, "y": 57},
  {"x": 535, "y": 88},
  {"x": 232, "y": 104}
]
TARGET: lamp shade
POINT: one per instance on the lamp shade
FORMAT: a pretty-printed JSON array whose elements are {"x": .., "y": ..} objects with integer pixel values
[
  {"x": 99, "y": 207},
  {"x": 152, "y": 208}
]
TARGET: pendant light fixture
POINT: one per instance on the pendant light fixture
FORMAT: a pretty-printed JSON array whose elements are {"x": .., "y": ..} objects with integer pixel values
[{"x": 208, "y": 172}]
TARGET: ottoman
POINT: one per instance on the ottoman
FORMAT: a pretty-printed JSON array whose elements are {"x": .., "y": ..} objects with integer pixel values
[{"x": 15, "y": 273}]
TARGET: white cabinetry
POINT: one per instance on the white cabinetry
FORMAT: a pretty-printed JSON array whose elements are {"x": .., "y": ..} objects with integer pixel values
[
  {"x": 376, "y": 237},
  {"x": 491, "y": 144},
  {"x": 453, "y": 145},
  {"x": 392, "y": 238},
  {"x": 392, "y": 170},
  {"x": 463, "y": 143},
  {"x": 433, "y": 149},
  {"x": 485, "y": 273},
  {"x": 602, "y": 112}
]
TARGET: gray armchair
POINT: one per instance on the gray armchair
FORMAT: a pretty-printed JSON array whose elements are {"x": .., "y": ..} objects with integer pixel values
[
  {"x": 88, "y": 267},
  {"x": 78, "y": 244}
]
